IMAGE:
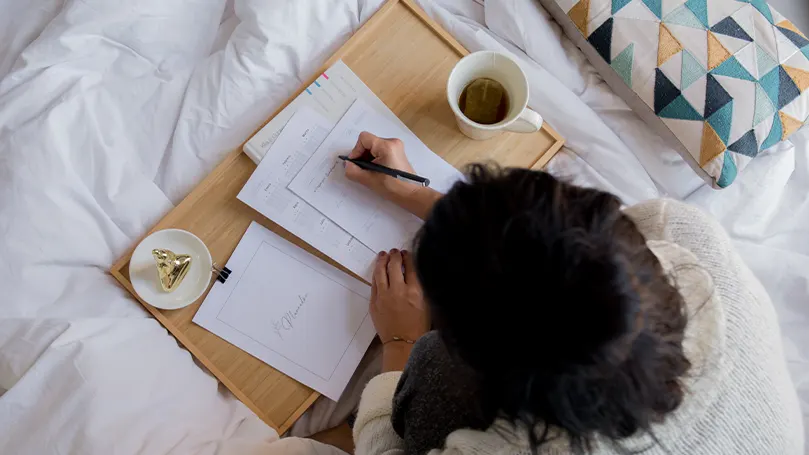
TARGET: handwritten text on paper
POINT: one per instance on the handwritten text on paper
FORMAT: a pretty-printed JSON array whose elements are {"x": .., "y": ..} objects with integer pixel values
[{"x": 286, "y": 322}]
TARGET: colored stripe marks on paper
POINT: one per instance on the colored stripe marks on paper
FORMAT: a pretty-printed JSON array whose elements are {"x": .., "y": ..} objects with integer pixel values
[{"x": 317, "y": 84}]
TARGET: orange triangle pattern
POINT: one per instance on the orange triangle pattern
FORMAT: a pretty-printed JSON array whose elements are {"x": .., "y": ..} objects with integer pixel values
[
  {"x": 667, "y": 45},
  {"x": 579, "y": 15},
  {"x": 799, "y": 76},
  {"x": 717, "y": 54},
  {"x": 789, "y": 26},
  {"x": 790, "y": 125},
  {"x": 712, "y": 145}
]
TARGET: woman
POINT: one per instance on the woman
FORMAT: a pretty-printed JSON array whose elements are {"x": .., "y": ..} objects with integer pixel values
[{"x": 565, "y": 325}]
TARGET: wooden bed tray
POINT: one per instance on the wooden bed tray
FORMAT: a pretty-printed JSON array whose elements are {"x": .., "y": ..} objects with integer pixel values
[{"x": 405, "y": 58}]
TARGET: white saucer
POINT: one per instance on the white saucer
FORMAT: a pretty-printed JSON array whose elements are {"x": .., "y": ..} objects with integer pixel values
[{"x": 143, "y": 269}]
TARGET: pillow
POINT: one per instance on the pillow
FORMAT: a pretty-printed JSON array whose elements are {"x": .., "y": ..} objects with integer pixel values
[{"x": 722, "y": 80}]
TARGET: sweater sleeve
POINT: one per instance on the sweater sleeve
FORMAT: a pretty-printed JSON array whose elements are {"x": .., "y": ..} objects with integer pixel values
[
  {"x": 373, "y": 430},
  {"x": 374, "y": 433}
]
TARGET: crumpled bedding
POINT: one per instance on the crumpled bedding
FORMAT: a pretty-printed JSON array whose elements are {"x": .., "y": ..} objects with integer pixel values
[{"x": 111, "y": 111}]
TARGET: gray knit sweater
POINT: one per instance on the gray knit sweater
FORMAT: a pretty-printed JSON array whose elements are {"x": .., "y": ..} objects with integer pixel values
[
  {"x": 740, "y": 399},
  {"x": 434, "y": 387}
]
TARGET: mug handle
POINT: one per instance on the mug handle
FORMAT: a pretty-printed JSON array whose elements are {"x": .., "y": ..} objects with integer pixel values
[{"x": 528, "y": 122}]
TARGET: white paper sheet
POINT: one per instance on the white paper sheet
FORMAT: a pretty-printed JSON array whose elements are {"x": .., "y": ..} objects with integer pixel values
[
  {"x": 376, "y": 222},
  {"x": 266, "y": 192},
  {"x": 291, "y": 310}
]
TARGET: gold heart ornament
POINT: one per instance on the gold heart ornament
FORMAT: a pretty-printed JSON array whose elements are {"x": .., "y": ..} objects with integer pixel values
[{"x": 171, "y": 268}]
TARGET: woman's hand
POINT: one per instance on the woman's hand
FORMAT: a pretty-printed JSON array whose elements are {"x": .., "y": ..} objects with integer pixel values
[
  {"x": 397, "y": 307},
  {"x": 387, "y": 152},
  {"x": 416, "y": 199}
]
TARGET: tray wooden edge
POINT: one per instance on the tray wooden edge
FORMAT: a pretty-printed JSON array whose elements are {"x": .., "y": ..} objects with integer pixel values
[
  {"x": 123, "y": 280},
  {"x": 552, "y": 151}
]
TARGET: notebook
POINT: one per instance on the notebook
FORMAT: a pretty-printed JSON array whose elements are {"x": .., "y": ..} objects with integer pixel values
[{"x": 292, "y": 311}]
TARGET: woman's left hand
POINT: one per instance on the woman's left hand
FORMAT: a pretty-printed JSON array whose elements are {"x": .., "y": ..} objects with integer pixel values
[{"x": 397, "y": 307}]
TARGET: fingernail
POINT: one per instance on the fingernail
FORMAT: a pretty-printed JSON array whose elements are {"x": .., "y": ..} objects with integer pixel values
[
  {"x": 381, "y": 254},
  {"x": 394, "y": 251}
]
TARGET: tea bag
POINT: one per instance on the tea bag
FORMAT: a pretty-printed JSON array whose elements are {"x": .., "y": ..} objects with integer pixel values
[{"x": 483, "y": 100}]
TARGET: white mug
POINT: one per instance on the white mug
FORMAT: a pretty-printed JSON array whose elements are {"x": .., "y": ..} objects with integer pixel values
[{"x": 503, "y": 69}]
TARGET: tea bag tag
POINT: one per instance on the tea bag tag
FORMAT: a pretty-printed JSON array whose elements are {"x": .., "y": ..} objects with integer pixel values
[{"x": 483, "y": 99}]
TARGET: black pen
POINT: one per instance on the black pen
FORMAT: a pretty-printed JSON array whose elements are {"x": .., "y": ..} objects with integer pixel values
[{"x": 369, "y": 166}]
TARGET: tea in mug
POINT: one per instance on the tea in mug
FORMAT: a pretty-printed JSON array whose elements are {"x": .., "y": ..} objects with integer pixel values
[{"x": 484, "y": 101}]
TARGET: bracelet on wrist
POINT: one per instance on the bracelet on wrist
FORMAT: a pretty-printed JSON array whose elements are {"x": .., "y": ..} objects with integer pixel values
[{"x": 398, "y": 339}]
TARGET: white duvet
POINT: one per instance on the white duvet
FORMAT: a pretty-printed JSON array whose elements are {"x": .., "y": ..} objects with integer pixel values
[{"x": 112, "y": 110}]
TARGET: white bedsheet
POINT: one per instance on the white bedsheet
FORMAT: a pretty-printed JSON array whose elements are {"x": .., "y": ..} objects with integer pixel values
[{"x": 110, "y": 111}]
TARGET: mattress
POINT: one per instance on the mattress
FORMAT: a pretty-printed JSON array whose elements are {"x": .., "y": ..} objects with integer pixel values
[{"x": 111, "y": 111}]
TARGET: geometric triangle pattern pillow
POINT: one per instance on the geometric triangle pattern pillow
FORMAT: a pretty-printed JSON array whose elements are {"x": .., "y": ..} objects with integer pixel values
[{"x": 726, "y": 78}]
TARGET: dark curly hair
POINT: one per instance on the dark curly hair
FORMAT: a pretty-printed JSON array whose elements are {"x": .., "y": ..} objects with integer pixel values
[{"x": 549, "y": 292}]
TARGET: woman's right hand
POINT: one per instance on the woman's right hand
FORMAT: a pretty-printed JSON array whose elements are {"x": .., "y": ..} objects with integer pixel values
[
  {"x": 414, "y": 198},
  {"x": 387, "y": 152}
]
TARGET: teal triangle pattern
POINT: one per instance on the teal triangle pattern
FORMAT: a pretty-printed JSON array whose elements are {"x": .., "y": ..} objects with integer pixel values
[
  {"x": 665, "y": 91},
  {"x": 716, "y": 96},
  {"x": 770, "y": 82},
  {"x": 683, "y": 16},
  {"x": 700, "y": 10},
  {"x": 746, "y": 145},
  {"x": 765, "y": 61},
  {"x": 729, "y": 172},
  {"x": 721, "y": 121},
  {"x": 680, "y": 109},
  {"x": 691, "y": 70},
  {"x": 622, "y": 64},
  {"x": 655, "y": 6},
  {"x": 764, "y": 108},
  {"x": 775, "y": 133},
  {"x": 764, "y": 9},
  {"x": 732, "y": 68},
  {"x": 796, "y": 38},
  {"x": 787, "y": 90},
  {"x": 805, "y": 51},
  {"x": 617, "y": 5},
  {"x": 729, "y": 27}
]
